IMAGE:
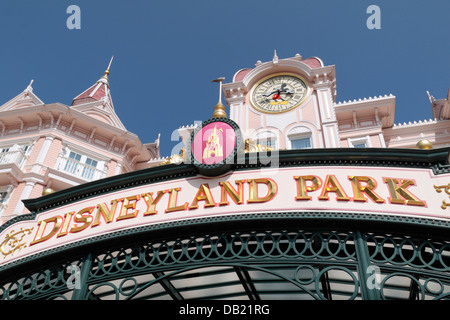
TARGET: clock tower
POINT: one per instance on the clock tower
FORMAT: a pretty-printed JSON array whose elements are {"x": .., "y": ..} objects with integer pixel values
[{"x": 285, "y": 103}]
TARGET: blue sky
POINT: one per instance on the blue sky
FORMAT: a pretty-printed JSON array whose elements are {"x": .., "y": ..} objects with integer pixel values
[{"x": 166, "y": 52}]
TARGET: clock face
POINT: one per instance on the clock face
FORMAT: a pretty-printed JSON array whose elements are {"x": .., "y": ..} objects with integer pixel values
[{"x": 279, "y": 93}]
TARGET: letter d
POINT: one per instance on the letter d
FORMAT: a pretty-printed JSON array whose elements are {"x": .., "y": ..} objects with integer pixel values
[{"x": 226, "y": 309}]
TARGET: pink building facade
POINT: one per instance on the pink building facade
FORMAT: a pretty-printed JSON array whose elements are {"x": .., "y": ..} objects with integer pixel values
[
  {"x": 51, "y": 147},
  {"x": 319, "y": 120}
]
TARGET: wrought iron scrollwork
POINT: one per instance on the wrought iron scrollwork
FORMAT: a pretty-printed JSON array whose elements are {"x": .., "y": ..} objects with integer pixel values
[{"x": 295, "y": 264}]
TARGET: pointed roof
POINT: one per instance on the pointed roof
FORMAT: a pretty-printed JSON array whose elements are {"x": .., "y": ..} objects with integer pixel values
[
  {"x": 99, "y": 91},
  {"x": 96, "y": 101},
  {"x": 24, "y": 99}
]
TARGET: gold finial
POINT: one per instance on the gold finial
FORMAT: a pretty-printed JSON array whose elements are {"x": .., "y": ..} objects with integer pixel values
[
  {"x": 219, "y": 109},
  {"x": 105, "y": 76},
  {"x": 47, "y": 191},
  {"x": 424, "y": 144}
]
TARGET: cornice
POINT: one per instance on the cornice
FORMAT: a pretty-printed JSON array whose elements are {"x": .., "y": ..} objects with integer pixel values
[
  {"x": 13, "y": 171},
  {"x": 70, "y": 112},
  {"x": 365, "y": 102},
  {"x": 413, "y": 124},
  {"x": 78, "y": 118}
]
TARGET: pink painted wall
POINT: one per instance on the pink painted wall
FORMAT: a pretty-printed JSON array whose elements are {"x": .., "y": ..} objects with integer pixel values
[
  {"x": 15, "y": 197},
  {"x": 53, "y": 153}
]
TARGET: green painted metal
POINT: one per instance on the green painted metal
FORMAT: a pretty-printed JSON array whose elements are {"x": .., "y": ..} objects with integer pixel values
[
  {"x": 82, "y": 286},
  {"x": 369, "y": 291},
  {"x": 287, "y": 264}
]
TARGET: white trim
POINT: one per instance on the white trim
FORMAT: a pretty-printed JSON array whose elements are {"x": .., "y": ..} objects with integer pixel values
[
  {"x": 360, "y": 140},
  {"x": 63, "y": 158},
  {"x": 382, "y": 141}
]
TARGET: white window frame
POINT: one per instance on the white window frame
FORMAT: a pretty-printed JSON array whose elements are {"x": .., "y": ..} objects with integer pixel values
[
  {"x": 16, "y": 152},
  {"x": 299, "y": 137},
  {"x": 299, "y": 132},
  {"x": 352, "y": 142},
  {"x": 63, "y": 159}
]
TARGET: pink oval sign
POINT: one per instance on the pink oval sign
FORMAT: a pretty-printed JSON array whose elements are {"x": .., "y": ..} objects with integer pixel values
[{"x": 214, "y": 143}]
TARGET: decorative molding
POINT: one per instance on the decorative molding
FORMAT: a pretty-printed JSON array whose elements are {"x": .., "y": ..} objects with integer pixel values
[
  {"x": 375, "y": 98},
  {"x": 446, "y": 189},
  {"x": 14, "y": 241}
]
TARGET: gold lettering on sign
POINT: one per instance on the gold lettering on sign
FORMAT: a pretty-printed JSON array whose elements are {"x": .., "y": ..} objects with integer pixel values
[
  {"x": 367, "y": 189},
  {"x": 105, "y": 212},
  {"x": 313, "y": 182},
  {"x": 86, "y": 220},
  {"x": 446, "y": 189},
  {"x": 151, "y": 203},
  {"x": 254, "y": 197},
  {"x": 65, "y": 228},
  {"x": 307, "y": 188},
  {"x": 173, "y": 195},
  {"x": 129, "y": 203},
  {"x": 203, "y": 194},
  {"x": 236, "y": 195},
  {"x": 56, "y": 220},
  {"x": 332, "y": 185},
  {"x": 400, "y": 194}
]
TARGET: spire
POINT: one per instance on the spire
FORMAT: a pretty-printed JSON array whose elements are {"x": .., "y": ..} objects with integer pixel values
[
  {"x": 98, "y": 91},
  {"x": 96, "y": 101},
  {"x": 105, "y": 76},
  {"x": 275, "y": 57},
  {"x": 219, "y": 109},
  {"x": 29, "y": 88}
]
